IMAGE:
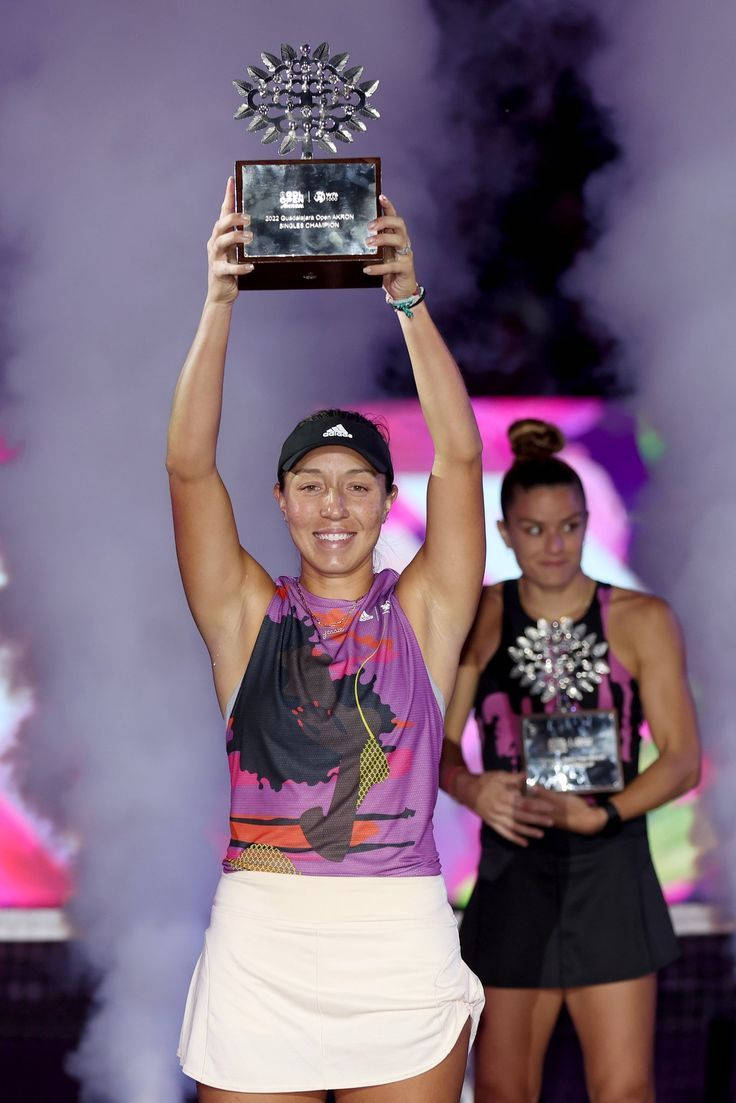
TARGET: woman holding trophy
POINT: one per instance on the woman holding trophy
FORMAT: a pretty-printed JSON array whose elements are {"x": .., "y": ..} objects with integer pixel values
[
  {"x": 567, "y": 909},
  {"x": 332, "y": 958}
]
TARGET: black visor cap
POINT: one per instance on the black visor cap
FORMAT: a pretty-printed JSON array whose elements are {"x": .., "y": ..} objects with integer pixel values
[{"x": 345, "y": 431}]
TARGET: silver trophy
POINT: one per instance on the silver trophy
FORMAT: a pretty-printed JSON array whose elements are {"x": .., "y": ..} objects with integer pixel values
[
  {"x": 571, "y": 749},
  {"x": 309, "y": 217}
]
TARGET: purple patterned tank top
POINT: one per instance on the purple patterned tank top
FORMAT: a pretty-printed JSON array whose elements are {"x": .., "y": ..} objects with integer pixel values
[{"x": 334, "y": 741}]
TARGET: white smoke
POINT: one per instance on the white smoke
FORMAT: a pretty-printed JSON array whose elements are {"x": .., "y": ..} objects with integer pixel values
[
  {"x": 16, "y": 705},
  {"x": 663, "y": 277},
  {"x": 118, "y": 127}
]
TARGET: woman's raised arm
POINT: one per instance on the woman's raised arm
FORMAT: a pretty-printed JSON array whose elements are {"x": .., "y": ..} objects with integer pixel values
[
  {"x": 222, "y": 582},
  {"x": 439, "y": 589}
]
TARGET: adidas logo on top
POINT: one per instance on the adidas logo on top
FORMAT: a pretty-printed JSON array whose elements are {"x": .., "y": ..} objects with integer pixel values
[{"x": 337, "y": 431}]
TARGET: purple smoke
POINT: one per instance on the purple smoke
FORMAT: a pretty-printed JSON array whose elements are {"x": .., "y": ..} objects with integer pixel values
[
  {"x": 118, "y": 126},
  {"x": 663, "y": 278}
]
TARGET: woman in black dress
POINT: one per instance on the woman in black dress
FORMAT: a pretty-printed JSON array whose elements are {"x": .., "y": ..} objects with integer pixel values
[{"x": 567, "y": 908}]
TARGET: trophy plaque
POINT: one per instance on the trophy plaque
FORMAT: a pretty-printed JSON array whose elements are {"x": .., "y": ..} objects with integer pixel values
[
  {"x": 574, "y": 752},
  {"x": 309, "y": 217},
  {"x": 572, "y": 749}
]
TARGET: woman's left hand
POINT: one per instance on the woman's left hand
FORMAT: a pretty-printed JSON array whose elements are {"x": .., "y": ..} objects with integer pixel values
[
  {"x": 389, "y": 231},
  {"x": 573, "y": 813}
]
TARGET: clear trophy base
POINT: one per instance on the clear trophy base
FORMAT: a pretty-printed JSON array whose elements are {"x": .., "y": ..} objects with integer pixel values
[{"x": 573, "y": 752}]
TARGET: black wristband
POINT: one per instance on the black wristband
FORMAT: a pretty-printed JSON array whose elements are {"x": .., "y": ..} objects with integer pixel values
[{"x": 614, "y": 822}]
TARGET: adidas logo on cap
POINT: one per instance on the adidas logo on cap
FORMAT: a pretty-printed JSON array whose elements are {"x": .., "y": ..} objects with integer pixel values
[{"x": 337, "y": 431}]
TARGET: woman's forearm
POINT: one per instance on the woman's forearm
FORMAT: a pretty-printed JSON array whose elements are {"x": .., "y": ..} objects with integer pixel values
[
  {"x": 666, "y": 779},
  {"x": 455, "y": 777},
  {"x": 440, "y": 388},
  {"x": 197, "y": 404}
]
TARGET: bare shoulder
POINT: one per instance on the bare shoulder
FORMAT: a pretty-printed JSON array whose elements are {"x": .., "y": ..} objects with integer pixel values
[
  {"x": 644, "y": 620},
  {"x": 485, "y": 635},
  {"x": 643, "y": 609}
]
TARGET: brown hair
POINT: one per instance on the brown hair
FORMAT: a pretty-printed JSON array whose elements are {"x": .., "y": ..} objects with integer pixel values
[{"x": 534, "y": 444}]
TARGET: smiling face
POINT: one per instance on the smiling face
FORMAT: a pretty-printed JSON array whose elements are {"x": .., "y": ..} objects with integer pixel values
[
  {"x": 545, "y": 529},
  {"x": 334, "y": 503}
]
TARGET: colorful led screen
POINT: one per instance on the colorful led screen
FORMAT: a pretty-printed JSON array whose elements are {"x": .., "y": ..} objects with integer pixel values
[{"x": 603, "y": 446}]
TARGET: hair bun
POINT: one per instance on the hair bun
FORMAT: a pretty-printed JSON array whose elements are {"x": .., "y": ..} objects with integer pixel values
[{"x": 532, "y": 439}]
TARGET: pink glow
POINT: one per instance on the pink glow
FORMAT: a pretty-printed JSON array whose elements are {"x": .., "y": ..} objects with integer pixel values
[
  {"x": 677, "y": 892},
  {"x": 30, "y": 877},
  {"x": 6, "y": 452},
  {"x": 411, "y": 446}
]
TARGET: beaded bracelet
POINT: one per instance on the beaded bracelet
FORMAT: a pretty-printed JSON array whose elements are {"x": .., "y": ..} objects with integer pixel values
[{"x": 406, "y": 305}]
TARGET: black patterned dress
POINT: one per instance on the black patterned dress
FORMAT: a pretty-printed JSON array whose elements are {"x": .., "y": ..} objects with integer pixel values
[{"x": 568, "y": 909}]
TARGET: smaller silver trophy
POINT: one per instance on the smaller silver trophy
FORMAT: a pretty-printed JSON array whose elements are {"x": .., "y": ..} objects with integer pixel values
[
  {"x": 571, "y": 749},
  {"x": 309, "y": 217}
]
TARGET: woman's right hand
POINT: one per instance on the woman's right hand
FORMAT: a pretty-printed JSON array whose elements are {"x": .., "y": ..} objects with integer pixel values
[
  {"x": 501, "y": 801},
  {"x": 230, "y": 229}
]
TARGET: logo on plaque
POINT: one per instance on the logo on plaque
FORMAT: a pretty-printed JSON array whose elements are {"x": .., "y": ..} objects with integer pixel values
[{"x": 309, "y": 217}]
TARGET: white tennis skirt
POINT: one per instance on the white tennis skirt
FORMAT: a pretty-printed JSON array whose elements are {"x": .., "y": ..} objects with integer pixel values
[{"x": 307, "y": 983}]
